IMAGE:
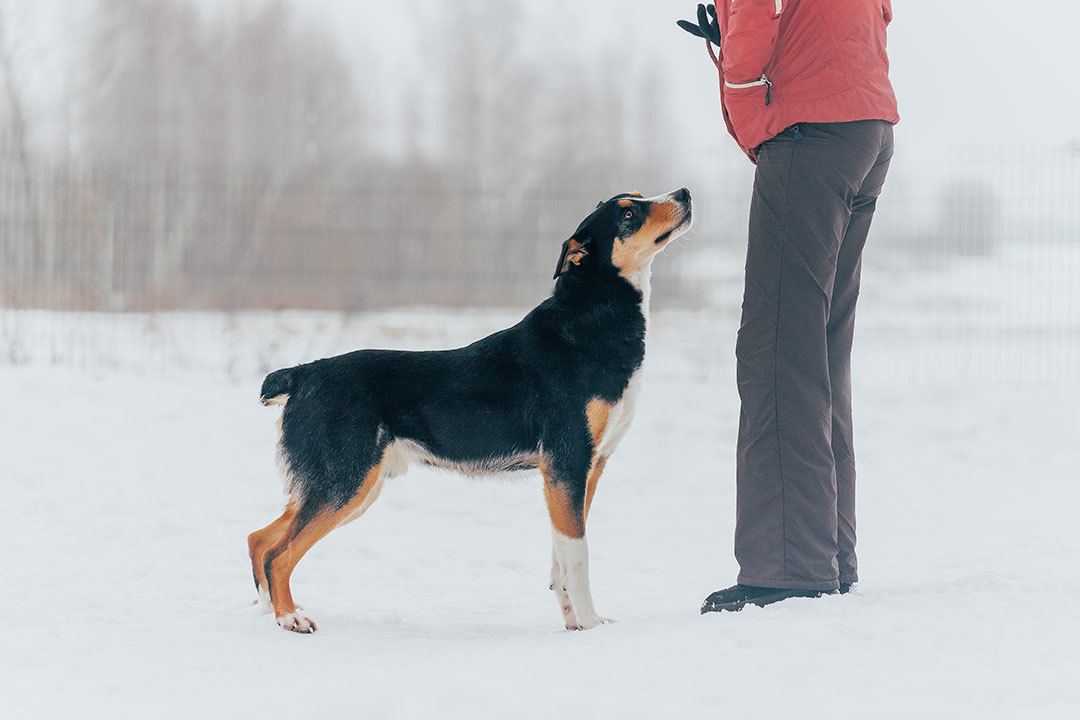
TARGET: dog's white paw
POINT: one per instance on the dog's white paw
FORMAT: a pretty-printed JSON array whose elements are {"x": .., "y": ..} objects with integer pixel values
[
  {"x": 567, "y": 608},
  {"x": 588, "y": 622},
  {"x": 296, "y": 621},
  {"x": 569, "y": 619}
]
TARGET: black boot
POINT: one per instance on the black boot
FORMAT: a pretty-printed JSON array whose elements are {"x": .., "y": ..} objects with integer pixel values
[{"x": 737, "y": 597}]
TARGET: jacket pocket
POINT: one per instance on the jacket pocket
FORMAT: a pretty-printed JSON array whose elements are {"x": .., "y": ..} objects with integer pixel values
[
  {"x": 747, "y": 106},
  {"x": 761, "y": 82}
]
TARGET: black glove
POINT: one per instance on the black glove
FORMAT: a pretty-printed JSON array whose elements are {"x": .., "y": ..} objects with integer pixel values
[{"x": 707, "y": 26}]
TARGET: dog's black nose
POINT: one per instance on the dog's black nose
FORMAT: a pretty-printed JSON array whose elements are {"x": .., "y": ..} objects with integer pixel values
[{"x": 682, "y": 195}]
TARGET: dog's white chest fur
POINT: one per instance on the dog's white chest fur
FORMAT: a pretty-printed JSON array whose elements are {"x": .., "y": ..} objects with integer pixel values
[
  {"x": 620, "y": 416},
  {"x": 622, "y": 412}
]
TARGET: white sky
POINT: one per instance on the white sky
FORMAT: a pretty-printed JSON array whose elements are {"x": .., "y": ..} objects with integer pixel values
[{"x": 991, "y": 72}]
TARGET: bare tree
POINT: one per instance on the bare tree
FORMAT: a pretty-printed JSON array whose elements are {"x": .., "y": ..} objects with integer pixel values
[
  {"x": 211, "y": 124},
  {"x": 17, "y": 116}
]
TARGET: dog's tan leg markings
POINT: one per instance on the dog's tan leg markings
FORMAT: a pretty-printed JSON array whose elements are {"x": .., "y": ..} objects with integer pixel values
[
  {"x": 299, "y": 538},
  {"x": 597, "y": 413},
  {"x": 565, "y": 517},
  {"x": 594, "y": 477},
  {"x": 259, "y": 543}
]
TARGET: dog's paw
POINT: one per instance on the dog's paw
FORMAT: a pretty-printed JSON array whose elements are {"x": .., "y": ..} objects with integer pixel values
[
  {"x": 296, "y": 621},
  {"x": 587, "y": 623},
  {"x": 567, "y": 608}
]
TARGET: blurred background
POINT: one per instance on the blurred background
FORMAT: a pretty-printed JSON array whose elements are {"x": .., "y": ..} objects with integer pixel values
[
  {"x": 195, "y": 192},
  {"x": 159, "y": 157}
]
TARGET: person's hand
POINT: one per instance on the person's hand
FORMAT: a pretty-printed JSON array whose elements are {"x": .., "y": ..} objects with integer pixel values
[{"x": 707, "y": 26}]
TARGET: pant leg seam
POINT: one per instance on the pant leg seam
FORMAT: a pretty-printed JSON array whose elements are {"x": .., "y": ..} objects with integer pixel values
[{"x": 776, "y": 365}]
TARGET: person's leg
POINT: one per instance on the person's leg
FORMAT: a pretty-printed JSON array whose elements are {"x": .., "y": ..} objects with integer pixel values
[
  {"x": 806, "y": 183},
  {"x": 840, "y": 333}
]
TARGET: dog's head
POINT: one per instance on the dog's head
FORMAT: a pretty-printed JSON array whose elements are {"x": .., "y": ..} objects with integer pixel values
[{"x": 624, "y": 233}]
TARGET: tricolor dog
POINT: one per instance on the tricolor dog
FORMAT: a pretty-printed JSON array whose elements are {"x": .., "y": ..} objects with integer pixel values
[{"x": 554, "y": 393}]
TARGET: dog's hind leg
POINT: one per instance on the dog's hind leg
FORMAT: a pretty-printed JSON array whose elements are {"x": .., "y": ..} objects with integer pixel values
[
  {"x": 311, "y": 522},
  {"x": 259, "y": 543},
  {"x": 565, "y": 491}
]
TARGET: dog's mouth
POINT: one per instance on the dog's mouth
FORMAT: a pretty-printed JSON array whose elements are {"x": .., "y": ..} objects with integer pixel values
[{"x": 682, "y": 226}]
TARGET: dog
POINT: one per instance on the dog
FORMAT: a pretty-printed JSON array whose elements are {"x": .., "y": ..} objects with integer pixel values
[{"x": 554, "y": 393}]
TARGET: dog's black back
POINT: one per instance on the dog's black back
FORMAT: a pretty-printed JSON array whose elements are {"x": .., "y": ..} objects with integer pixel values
[{"x": 491, "y": 406}]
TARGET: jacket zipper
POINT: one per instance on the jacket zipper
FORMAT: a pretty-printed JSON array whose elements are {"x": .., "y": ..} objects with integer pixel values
[{"x": 763, "y": 80}]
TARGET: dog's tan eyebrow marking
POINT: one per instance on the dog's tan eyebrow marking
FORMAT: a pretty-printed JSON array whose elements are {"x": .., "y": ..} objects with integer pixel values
[{"x": 626, "y": 203}]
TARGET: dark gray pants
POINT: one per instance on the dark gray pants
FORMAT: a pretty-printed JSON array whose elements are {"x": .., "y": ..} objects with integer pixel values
[{"x": 814, "y": 196}]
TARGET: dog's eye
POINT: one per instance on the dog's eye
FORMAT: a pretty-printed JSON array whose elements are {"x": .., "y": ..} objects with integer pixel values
[{"x": 628, "y": 214}]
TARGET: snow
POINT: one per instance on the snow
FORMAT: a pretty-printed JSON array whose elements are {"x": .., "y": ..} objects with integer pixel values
[{"x": 126, "y": 586}]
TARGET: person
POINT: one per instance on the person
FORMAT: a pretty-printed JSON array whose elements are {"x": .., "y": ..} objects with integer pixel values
[{"x": 805, "y": 92}]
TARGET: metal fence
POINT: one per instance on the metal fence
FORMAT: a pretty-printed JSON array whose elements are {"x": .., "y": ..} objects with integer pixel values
[
  {"x": 136, "y": 239},
  {"x": 985, "y": 252}
]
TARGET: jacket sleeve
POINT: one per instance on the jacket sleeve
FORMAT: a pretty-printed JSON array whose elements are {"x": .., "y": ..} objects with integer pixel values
[
  {"x": 886, "y": 10},
  {"x": 750, "y": 39}
]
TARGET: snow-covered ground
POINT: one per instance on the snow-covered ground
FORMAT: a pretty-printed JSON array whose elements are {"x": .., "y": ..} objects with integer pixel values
[{"x": 128, "y": 496}]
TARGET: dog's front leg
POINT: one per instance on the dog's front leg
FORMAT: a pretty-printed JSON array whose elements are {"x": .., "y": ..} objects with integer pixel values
[
  {"x": 558, "y": 584},
  {"x": 570, "y": 566},
  {"x": 573, "y": 557}
]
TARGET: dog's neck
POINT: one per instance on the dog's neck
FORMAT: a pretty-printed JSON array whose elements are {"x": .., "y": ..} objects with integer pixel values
[
  {"x": 642, "y": 282},
  {"x": 577, "y": 291}
]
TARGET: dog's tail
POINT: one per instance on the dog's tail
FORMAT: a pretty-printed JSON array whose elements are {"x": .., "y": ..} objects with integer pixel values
[{"x": 277, "y": 386}]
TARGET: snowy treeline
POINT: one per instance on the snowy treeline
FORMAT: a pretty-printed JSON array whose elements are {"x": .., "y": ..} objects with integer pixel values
[{"x": 231, "y": 160}]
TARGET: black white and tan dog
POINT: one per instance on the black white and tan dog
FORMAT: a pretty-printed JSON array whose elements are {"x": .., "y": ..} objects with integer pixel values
[{"x": 554, "y": 393}]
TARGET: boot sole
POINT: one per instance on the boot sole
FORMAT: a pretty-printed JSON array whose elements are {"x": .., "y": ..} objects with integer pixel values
[{"x": 763, "y": 600}]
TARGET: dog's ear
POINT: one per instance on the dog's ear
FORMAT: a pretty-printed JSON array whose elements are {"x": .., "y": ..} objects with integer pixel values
[{"x": 574, "y": 251}]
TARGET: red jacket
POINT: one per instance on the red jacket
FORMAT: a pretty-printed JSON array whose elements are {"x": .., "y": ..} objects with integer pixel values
[{"x": 784, "y": 62}]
